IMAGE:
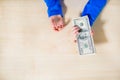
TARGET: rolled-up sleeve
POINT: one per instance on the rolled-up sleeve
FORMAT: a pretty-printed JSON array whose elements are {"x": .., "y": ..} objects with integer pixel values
[
  {"x": 93, "y": 9},
  {"x": 54, "y": 7}
]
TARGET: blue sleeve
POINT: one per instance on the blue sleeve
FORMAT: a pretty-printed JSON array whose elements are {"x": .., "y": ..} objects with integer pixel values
[
  {"x": 54, "y": 7},
  {"x": 93, "y": 9}
]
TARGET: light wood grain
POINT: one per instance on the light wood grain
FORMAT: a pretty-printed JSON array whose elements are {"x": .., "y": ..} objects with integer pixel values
[{"x": 31, "y": 50}]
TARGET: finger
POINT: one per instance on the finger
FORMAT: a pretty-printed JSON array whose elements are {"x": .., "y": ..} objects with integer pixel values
[
  {"x": 75, "y": 41},
  {"x": 92, "y": 32},
  {"x": 60, "y": 27},
  {"x": 53, "y": 24},
  {"x": 56, "y": 26},
  {"x": 76, "y": 31},
  {"x": 75, "y": 28},
  {"x": 75, "y": 34},
  {"x": 75, "y": 38}
]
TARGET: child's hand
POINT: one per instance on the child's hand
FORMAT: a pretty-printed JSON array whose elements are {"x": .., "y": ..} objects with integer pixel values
[
  {"x": 76, "y": 30},
  {"x": 57, "y": 22}
]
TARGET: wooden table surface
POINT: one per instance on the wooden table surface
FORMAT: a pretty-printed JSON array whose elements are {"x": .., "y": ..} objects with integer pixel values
[{"x": 31, "y": 50}]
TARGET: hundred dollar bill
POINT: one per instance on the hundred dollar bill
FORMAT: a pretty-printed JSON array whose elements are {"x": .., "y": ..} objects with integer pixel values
[{"x": 84, "y": 38}]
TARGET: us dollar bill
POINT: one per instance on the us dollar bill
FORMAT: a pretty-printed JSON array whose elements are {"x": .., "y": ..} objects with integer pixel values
[{"x": 84, "y": 38}]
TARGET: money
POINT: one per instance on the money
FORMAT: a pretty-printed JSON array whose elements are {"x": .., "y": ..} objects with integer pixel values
[{"x": 84, "y": 38}]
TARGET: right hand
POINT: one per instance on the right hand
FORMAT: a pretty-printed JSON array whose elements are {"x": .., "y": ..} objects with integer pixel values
[{"x": 76, "y": 30}]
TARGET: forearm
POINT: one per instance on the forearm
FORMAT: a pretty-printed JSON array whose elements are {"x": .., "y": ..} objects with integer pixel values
[
  {"x": 54, "y": 7},
  {"x": 93, "y": 9}
]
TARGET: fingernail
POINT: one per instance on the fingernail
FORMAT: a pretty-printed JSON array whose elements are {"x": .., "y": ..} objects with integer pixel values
[
  {"x": 75, "y": 41},
  {"x": 56, "y": 29},
  {"x": 80, "y": 30},
  {"x": 75, "y": 25}
]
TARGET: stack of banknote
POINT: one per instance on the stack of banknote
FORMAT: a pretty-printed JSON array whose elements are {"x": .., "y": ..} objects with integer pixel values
[{"x": 84, "y": 38}]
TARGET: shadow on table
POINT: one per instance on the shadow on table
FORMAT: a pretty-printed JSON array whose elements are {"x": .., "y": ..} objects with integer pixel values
[{"x": 98, "y": 27}]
